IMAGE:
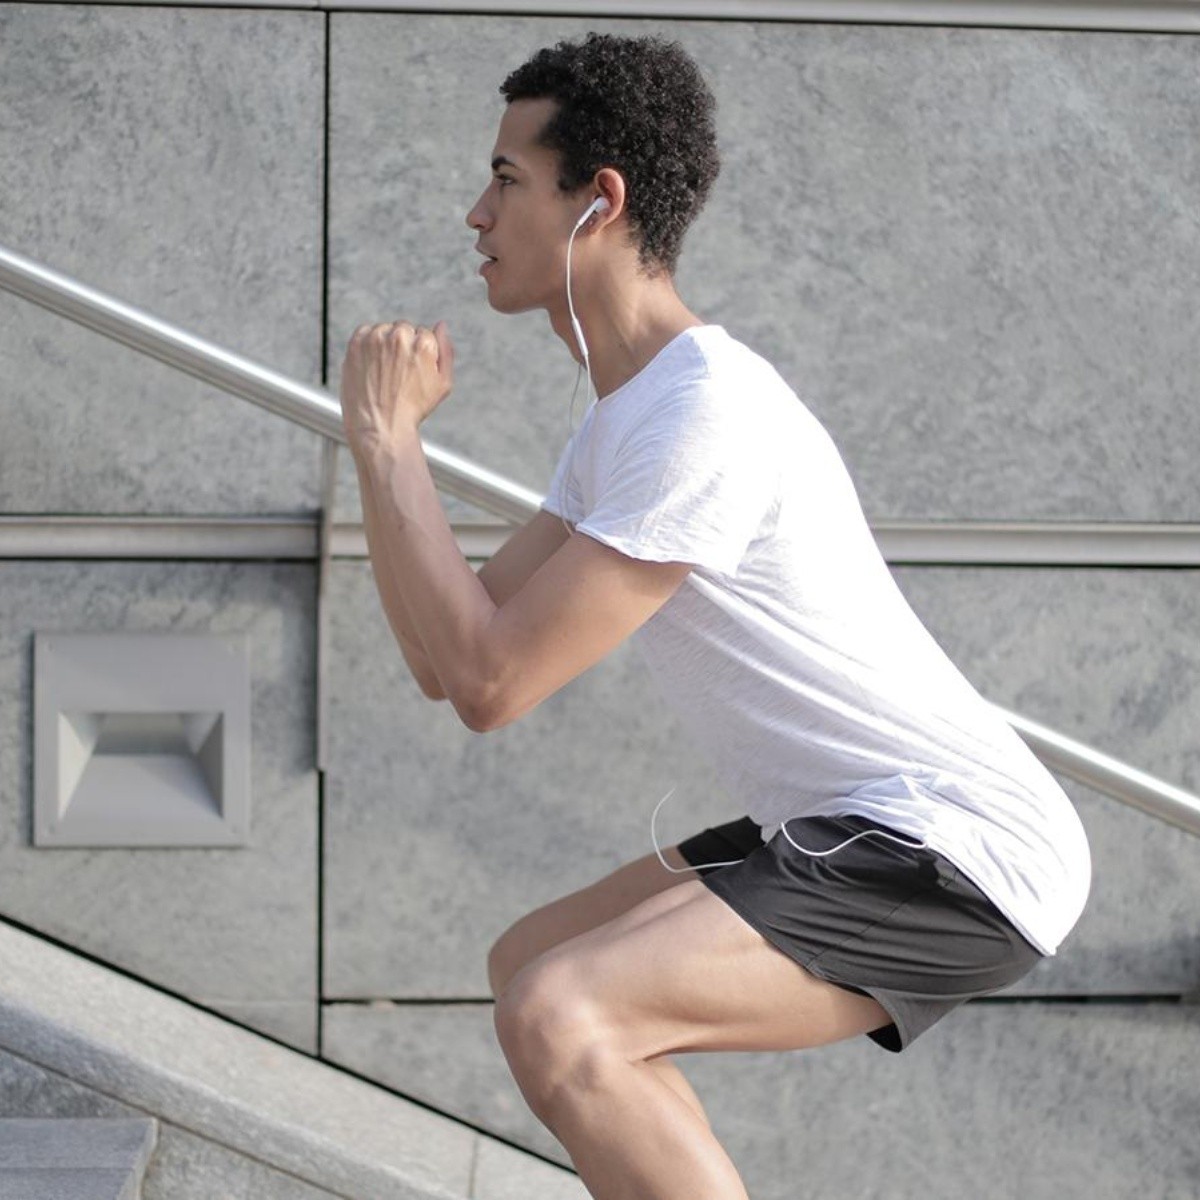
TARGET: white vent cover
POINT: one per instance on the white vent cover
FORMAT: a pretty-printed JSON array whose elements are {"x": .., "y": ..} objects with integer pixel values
[{"x": 141, "y": 739}]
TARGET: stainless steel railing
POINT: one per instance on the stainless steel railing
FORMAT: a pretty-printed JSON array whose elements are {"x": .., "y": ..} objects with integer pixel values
[
  {"x": 319, "y": 411},
  {"x": 314, "y": 408}
]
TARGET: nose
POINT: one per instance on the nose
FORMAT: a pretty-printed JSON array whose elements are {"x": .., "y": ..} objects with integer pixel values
[{"x": 479, "y": 218}]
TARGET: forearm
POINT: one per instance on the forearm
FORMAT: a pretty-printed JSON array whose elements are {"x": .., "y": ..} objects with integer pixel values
[
  {"x": 432, "y": 596},
  {"x": 390, "y": 596}
]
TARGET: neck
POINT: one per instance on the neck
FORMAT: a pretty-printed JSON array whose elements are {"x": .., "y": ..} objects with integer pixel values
[{"x": 627, "y": 318}]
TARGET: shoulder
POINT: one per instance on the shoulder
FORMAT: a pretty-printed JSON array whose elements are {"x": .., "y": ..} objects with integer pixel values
[{"x": 720, "y": 387}]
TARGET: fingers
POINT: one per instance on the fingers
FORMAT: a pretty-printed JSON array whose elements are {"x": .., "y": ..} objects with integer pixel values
[
  {"x": 418, "y": 337},
  {"x": 445, "y": 349},
  {"x": 396, "y": 373},
  {"x": 424, "y": 343}
]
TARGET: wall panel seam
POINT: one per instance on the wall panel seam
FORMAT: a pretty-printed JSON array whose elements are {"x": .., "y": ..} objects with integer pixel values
[
  {"x": 300, "y": 539},
  {"x": 1166, "y": 17}
]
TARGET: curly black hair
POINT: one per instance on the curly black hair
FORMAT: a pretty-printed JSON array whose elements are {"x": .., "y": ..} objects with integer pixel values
[{"x": 639, "y": 105}]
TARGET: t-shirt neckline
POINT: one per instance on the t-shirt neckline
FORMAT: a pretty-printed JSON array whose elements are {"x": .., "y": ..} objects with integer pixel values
[{"x": 691, "y": 333}]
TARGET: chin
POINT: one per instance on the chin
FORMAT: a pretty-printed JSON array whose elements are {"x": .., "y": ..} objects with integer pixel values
[
  {"x": 510, "y": 305},
  {"x": 501, "y": 305}
]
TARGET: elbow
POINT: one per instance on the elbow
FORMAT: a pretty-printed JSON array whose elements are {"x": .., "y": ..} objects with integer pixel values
[
  {"x": 482, "y": 718},
  {"x": 431, "y": 689},
  {"x": 428, "y": 682},
  {"x": 483, "y": 709},
  {"x": 477, "y": 723}
]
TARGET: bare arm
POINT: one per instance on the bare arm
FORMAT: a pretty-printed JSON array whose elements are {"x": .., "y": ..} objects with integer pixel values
[
  {"x": 494, "y": 661},
  {"x": 509, "y": 569},
  {"x": 503, "y": 575},
  {"x": 391, "y": 597}
]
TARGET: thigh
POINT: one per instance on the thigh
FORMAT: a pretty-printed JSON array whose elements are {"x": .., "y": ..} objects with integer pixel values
[
  {"x": 682, "y": 972},
  {"x": 581, "y": 911}
]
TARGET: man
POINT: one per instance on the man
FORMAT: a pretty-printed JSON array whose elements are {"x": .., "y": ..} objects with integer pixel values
[{"x": 903, "y": 851}]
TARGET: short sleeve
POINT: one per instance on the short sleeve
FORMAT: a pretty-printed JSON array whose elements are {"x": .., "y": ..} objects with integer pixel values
[
  {"x": 692, "y": 482},
  {"x": 562, "y": 497}
]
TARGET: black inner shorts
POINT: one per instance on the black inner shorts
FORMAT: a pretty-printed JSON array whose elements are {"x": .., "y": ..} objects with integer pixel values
[{"x": 900, "y": 923}]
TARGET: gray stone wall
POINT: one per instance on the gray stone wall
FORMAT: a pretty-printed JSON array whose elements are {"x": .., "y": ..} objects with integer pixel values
[
  {"x": 971, "y": 251},
  {"x": 234, "y": 929},
  {"x": 172, "y": 158}
]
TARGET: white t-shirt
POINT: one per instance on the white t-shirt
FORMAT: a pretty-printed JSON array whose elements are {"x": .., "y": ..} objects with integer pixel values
[{"x": 789, "y": 652}]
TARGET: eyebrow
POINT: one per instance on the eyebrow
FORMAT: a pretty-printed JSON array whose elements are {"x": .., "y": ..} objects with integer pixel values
[{"x": 500, "y": 161}]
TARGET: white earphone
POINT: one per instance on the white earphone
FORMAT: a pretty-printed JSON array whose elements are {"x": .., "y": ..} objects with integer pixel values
[
  {"x": 599, "y": 205},
  {"x": 733, "y": 862}
]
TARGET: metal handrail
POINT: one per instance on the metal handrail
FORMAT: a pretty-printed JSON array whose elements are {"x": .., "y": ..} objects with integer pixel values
[
  {"x": 319, "y": 411},
  {"x": 1102, "y": 773},
  {"x": 314, "y": 408}
]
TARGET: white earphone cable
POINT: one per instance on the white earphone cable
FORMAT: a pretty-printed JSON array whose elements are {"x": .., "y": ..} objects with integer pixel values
[
  {"x": 883, "y": 833},
  {"x": 586, "y": 365}
]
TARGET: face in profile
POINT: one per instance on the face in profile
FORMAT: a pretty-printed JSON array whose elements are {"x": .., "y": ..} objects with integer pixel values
[{"x": 523, "y": 219}]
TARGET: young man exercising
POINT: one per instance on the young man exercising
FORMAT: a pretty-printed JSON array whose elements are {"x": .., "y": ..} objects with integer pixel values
[{"x": 903, "y": 851}]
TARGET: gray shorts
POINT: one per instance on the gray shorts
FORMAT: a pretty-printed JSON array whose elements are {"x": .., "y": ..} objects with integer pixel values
[{"x": 896, "y": 922}]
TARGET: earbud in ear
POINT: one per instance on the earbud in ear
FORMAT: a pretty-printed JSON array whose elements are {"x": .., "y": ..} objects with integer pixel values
[{"x": 599, "y": 205}]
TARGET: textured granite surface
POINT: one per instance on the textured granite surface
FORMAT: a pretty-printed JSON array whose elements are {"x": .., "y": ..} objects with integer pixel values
[
  {"x": 502, "y": 1173},
  {"x": 193, "y": 1160},
  {"x": 226, "y": 926},
  {"x": 31, "y": 1142},
  {"x": 971, "y": 251},
  {"x": 81, "y": 1159},
  {"x": 407, "y": 1046},
  {"x": 173, "y": 159},
  {"x": 290, "y": 1021},
  {"x": 198, "y": 1071},
  {"x": 1004, "y": 1100},
  {"x": 185, "y": 1165}
]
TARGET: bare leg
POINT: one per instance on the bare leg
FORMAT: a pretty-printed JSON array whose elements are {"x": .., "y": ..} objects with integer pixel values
[
  {"x": 581, "y": 911},
  {"x": 584, "y": 910},
  {"x": 680, "y": 973}
]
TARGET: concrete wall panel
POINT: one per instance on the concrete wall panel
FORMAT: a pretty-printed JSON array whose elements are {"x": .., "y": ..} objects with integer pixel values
[
  {"x": 1003, "y": 1100},
  {"x": 970, "y": 251},
  {"x": 230, "y": 927},
  {"x": 173, "y": 159}
]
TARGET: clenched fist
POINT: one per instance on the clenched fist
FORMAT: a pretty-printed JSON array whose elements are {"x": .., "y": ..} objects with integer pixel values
[{"x": 393, "y": 377}]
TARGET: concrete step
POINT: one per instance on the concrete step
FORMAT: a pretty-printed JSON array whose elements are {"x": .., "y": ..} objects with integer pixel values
[
  {"x": 65, "y": 1158},
  {"x": 237, "y": 1113}
]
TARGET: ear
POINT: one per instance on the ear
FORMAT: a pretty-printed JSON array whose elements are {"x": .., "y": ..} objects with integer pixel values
[{"x": 609, "y": 183}]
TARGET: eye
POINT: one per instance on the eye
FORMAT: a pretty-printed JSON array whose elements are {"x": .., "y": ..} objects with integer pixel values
[{"x": 504, "y": 180}]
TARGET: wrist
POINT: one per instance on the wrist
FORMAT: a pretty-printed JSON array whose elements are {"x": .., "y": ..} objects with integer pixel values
[{"x": 378, "y": 454}]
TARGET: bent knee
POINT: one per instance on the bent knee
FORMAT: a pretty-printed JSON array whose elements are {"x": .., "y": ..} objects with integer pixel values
[
  {"x": 551, "y": 1033},
  {"x": 499, "y": 971},
  {"x": 546, "y": 1010},
  {"x": 525, "y": 940},
  {"x": 511, "y": 951}
]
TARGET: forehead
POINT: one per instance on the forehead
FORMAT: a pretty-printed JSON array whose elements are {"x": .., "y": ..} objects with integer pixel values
[{"x": 520, "y": 126}]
